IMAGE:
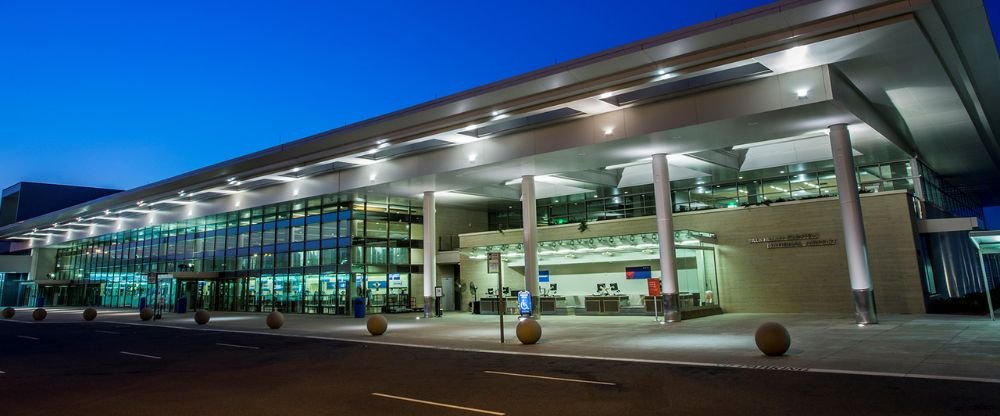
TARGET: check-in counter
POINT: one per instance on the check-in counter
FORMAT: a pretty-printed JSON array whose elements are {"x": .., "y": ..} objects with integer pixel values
[
  {"x": 491, "y": 306},
  {"x": 604, "y": 304},
  {"x": 687, "y": 300},
  {"x": 548, "y": 304}
]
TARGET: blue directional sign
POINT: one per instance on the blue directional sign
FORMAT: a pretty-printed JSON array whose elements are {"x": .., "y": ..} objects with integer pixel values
[{"x": 524, "y": 302}]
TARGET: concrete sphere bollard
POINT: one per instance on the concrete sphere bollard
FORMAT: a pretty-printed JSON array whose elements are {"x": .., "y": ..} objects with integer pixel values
[
  {"x": 8, "y": 312},
  {"x": 377, "y": 324},
  {"x": 145, "y": 314},
  {"x": 275, "y": 320},
  {"x": 39, "y": 314},
  {"x": 773, "y": 339},
  {"x": 201, "y": 316},
  {"x": 529, "y": 331},
  {"x": 89, "y": 314}
]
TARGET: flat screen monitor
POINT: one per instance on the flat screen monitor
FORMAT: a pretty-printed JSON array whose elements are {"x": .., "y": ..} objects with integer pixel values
[
  {"x": 614, "y": 286},
  {"x": 489, "y": 291},
  {"x": 506, "y": 290},
  {"x": 553, "y": 287},
  {"x": 601, "y": 287}
]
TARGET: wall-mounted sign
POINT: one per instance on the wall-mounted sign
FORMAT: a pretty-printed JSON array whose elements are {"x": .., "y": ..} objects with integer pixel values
[
  {"x": 793, "y": 241},
  {"x": 493, "y": 262},
  {"x": 638, "y": 272},
  {"x": 543, "y": 276},
  {"x": 395, "y": 280}
]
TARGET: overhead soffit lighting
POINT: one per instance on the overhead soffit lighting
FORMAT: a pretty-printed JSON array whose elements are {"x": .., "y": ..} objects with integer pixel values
[
  {"x": 686, "y": 84},
  {"x": 808, "y": 135}
]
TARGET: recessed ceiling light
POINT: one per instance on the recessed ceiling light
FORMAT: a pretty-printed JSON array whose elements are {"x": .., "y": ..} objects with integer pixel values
[{"x": 606, "y": 95}]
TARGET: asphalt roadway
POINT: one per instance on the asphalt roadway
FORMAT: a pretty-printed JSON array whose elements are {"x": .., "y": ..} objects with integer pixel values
[{"x": 111, "y": 369}]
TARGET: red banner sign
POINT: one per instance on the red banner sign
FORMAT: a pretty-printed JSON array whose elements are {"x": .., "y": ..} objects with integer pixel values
[{"x": 654, "y": 287}]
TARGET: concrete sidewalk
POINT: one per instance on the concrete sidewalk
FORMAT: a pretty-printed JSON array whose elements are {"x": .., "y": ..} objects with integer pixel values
[{"x": 925, "y": 346}]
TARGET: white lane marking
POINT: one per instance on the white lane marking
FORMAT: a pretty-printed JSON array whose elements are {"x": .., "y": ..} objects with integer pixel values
[
  {"x": 236, "y": 346},
  {"x": 450, "y": 406},
  {"x": 590, "y": 357},
  {"x": 108, "y": 332},
  {"x": 27, "y": 337},
  {"x": 2, "y": 372},
  {"x": 140, "y": 355},
  {"x": 571, "y": 380}
]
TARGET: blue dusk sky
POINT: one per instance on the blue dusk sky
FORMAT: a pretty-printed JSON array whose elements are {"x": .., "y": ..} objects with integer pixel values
[{"x": 123, "y": 93}]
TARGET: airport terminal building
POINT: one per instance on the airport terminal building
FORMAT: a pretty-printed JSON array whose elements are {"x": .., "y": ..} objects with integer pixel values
[{"x": 802, "y": 156}]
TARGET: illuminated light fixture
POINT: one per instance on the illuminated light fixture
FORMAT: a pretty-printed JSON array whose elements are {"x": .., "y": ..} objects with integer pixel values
[
  {"x": 802, "y": 93},
  {"x": 470, "y": 127},
  {"x": 295, "y": 192},
  {"x": 609, "y": 131},
  {"x": 78, "y": 219},
  {"x": 797, "y": 53},
  {"x": 380, "y": 141},
  {"x": 140, "y": 203},
  {"x": 372, "y": 151},
  {"x": 500, "y": 116},
  {"x": 472, "y": 158},
  {"x": 661, "y": 71},
  {"x": 34, "y": 230},
  {"x": 495, "y": 113},
  {"x": 237, "y": 203},
  {"x": 383, "y": 145},
  {"x": 107, "y": 212},
  {"x": 190, "y": 212},
  {"x": 371, "y": 178},
  {"x": 605, "y": 95},
  {"x": 296, "y": 169},
  {"x": 233, "y": 179}
]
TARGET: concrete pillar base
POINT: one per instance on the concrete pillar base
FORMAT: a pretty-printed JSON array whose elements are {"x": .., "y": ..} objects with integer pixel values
[
  {"x": 428, "y": 306},
  {"x": 864, "y": 307},
  {"x": 671, "y": 307}
]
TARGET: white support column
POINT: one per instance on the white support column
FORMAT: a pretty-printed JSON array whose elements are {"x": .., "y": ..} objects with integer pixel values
[
  {"x": 854, "y": 228},
  {"x": 665, "y": 231},
  {"x": 530, "y": 223},
  {"x": 430, "y": 253}
]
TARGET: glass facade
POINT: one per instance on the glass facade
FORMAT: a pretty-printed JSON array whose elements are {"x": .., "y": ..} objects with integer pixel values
[
  {"x": 576, "y": 268},
  {"x": 305, "y": 256},
  {"x": 748, "y": 188}
]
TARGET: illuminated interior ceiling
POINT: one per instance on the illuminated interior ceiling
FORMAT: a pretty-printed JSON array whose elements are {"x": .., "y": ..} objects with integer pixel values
[
  {"x": 987, "y": 241},
  {"x": 624, "y": 248}
]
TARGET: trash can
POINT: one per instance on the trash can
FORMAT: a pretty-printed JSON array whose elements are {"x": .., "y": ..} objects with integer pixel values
[
  {"x": 40, "y": 302},
  {"x": 142, "y": 303},
  {"x": 182, "y": 305},
  {"x": 359, "y": 307},
  {"x": 477, "y": 307}
]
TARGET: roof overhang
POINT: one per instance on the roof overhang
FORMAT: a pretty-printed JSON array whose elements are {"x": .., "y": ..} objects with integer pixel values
[{"x": 842, "y": 40}]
